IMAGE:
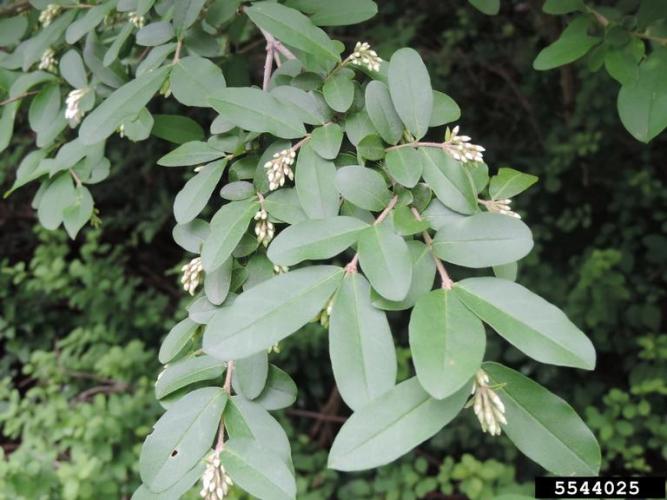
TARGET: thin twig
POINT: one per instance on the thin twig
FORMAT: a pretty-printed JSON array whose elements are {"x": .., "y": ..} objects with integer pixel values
[
  {"x": 268, "y": 65},
  {"x": 316, "y": 415},
  {"x": 220, "y": 444},
  {"x": 445, "y": 280},
  {"x": 415, "y": 144},
  {"x": 18, "y": 97}
]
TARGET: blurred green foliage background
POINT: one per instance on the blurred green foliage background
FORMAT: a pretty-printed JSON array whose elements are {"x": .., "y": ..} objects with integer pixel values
[{"x": 81, "y": 321}]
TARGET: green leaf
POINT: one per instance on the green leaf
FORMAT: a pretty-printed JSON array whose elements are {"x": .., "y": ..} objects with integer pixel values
[
  {"x": 194, "y": 79},
  {"x": 447, "y": 343},
  {"x": 364, "y": 187},
  {"x": 177, "y": 338},
  {"x": 12, "y": 29},
  {"x": 315, "y": 181},
  {"x": 338, "y": 90},
  {"x": 181, "y": 437},
  {"x": 194, "y": 196},
  {"x": 217, "y": 283},
  {"x": 176, "y": 491},
  {"x": 405, "y": 222},
  {"x": 237, "y": 190},
  {"x": 155, "y": 34},
  {"x": 257, "y": 470},
  {"x": 88, "y": 21},
  {"x": 269, "y": 312},
  {"x": 326, "y": 140},
  {"x": 138, "y": 128},
  {"x": 342, "y": 12},
  {"x": 371, "y": 147},
  {"x": 382, "y": 113},
  {"x": 227, "y": 228},
  {"x": 280, "y": 390},
  {"x": 201, "y": 310},
  {"x": 358, "y": 126},
  {"x": 411, "y": 92},
  {"x": 58, "y": 195},
  {"x": 405, "y": 166},
  {"x": 445, "y": 110},
  {"x": 185, "y": 372},
  {"x": 543, "y": 426},
  {"x": 186, "y": 13},
  {"x": 176, "y": 129},
  {"x": 250, "y": 374},
  {"x": 642, "y": 104},
  {"x": 560, "y": 7},
  {"x": 361, "y": 347},
  {"x": 391, "y": 426},
  {"x": 488, "y": 7},
  {"x": 191, "y": 236},
  {"x": 284, "y": 205},
  {"x": 483, "y": 240},
  {"x": 76, "y": 215},
  {"x": 122, "y": 104},
  {"x": 506, "y": 271},
  {"x": 114, "y": 49},
  {"x": 190, "y": 153},
  {"x": 449, "y": 181},
  {"x": 509, "y": 182},
  {"x": 295, "y": 30},
  {"x": 386, "y": 262},
  {"x": 72, "y": 69},
  {"x": 527, "y": 321},
  {"x": 44, "y": 108},
  {"x": 438, "y": 215},
  {"x": 309, "y": 106},
  {"x": 572, "y": 44},
  {"x": 423, "y": 273},
  {"x": 316, "y": 239},
  {"x": 257, "y": 111},
  {"x": 257, "y": 423}
]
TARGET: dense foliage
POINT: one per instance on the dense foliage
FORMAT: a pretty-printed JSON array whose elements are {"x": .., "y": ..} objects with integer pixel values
[{"x": 90, "y": 370}]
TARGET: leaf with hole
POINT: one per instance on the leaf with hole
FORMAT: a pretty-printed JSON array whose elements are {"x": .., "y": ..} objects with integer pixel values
[{"x": 181, "y": 437}]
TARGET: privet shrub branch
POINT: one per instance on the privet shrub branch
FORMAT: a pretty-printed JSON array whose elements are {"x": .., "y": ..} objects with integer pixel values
[{"x": 342, "y": 196}]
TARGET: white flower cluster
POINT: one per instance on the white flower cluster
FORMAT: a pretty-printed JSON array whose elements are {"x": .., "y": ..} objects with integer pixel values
[
  {"x": 48, "y": 62},
  {"x": 460, "y": 148},
  {"x": 279, "y": 167},
  {"x": 49, "y": 14},
  {"x": 191, "y": 275},
  {"x": 363, "y": 55},
  {"x": 488, "y": 407},
  {"x": 501, "y": 207},
  {"x": 215, "y": 481},
  {"x": 73, "y": 111},
  {"x": 136, "y": 19},
  {"x": 264, "y": 228}
]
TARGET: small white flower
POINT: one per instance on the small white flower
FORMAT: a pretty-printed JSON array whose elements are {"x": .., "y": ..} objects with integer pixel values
[
  {"x": 136, "y": 19},
  {"x": 49, "y": 14},
  {"x": 73, "y": 111},
  {"x": 500, "y": 207},
  {"x": 460, "y": 148},
  {"x": 279, "y": 167},
  {"x": 192, "y": 275},
  {"x": 363, "y": 55},
  {"x": 264, "y": 228},
  {"x": 48, "y": 62},
  {"x": 215, "y": 480},
  {"x": 488, "y": 407},
  {"x": 280, "y": 269}
]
